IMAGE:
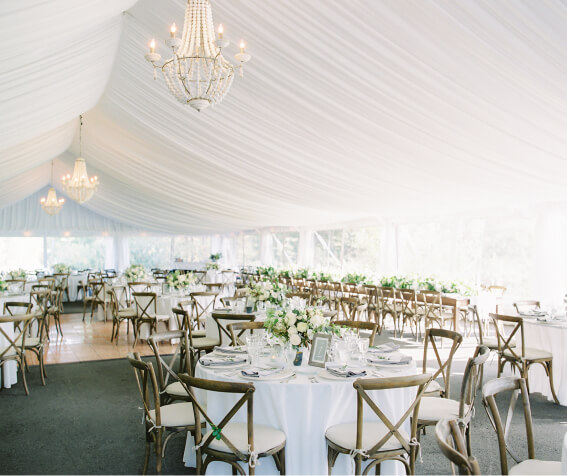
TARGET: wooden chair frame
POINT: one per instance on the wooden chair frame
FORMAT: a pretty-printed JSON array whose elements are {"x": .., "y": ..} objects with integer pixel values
[
  {"x": 387, "y": 300},
  {"x": 17, "y": 343},
  {"x": 155, "y": 431},
  {"x": 371, "y": 327},
  {"x": 508, "y": 353},
  {"x": 362, "y": 387},
  {"x": 203, "y": 443},
  {"x": 518, "y": 387},
  {"x": 444, "y": 365},
  {"x": 200, "y": 309},
  {"x": 452, "y": 444},
  {"x": 144, "y": 314},
  {"x": 243, "y": 327},
  {"x": 233, "y": 318},
  {"x": 434, "y": 312},
  {"x": 119, "y": 315},
  {"x": 518, "y": 304},
  {"x": 409, "y": 311}
]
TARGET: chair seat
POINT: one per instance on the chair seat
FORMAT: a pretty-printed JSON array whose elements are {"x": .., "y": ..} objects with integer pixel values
[
  {"x": 536, "y": 466},
  {"x": 203, "y": 342},
  {"x": 127, "y": 313},
  {"x": 532, "y": 354},
  {"x": 492, "y": 343},
  {"x": 30, "y": 342},
  {"x": 266, "y": 438},
  {"x": 175, "y": 414},
  {"x": 435, "y": 409},
  {"x": 199, "y": 333},
  {"x": 344, "y": 435},
  {"x": 176, "y": 388},
  {"x": 9, "y": 354}
]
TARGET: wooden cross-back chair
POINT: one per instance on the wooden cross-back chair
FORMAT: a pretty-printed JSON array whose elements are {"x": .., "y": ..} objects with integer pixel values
[
  {"x": 48, "y": 281},
  {"x": 389, "y": 306},
  {"x": 199, "y": 276},
  {"x": 17, "y": 285},
  {"x": 237, "y": 329},
  {"x": 369, "y": 327},
  {"x": 223, "y": 320},
  {"x": 433, "y": 309},
  {"x": 197, "y": 342},
  {"x": 381, "y": 440},
  {"x": 443, "y": 364},
  {"x": 17, "y": 307},
  {"x": 523, "y": 307},
  {"x": 204, "y": 303},
  {"x": 188, "y": 305},
  {"x": 40, "y": 301},
  {"x": 146, "y": 313},
  {"x": 55, "y": 308},
  {"x": 96, "y": 296},
  {"x": 37, "y": 336},
  {"x": 229, "y": 441},
  {"x": 62, "y": 281},
  {"x": 452, "y": 444},
  {"x": 170, "y": 388},
  {"x": 517, "y": 387},
  {"x": 120, "y": 311},
  {"x": 353, "y": 308},
  {"x": 138, "y": 287},
  {"x": 373, "y": 305},
  {"x": 515, "y": 352},
  {"x": 14, "y": 347},
  {"x": 162, "y": 421},
  {"x": 409, "y": 311},
  {"x": 433, "y": 409}
]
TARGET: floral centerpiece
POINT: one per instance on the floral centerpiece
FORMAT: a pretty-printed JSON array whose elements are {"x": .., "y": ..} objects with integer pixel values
[
  {"x": 323, "y": 277},
  {"x": 266, "y": 271},
  {"x": 18, "y": 273},
  {"x": 179, "y": 280},
  {"x": 135, "y": 272},
  {"x": 211, "y": 265},
  {"x": 267, "y": 291},
  {"x": 298, "y": 326},
  {"x": 3, "y": 285},
  {"x": 213, "y": 261},
  {"x": 355, "y": 278},
  {"x": 61, "y": 268},
  {"x": 285, "y": 273},
  {"x": 302, "y": 273}
]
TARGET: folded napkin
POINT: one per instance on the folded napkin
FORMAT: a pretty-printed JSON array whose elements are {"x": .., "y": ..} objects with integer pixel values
[
  {"x": 211, "y": 361},
  {"x": 230, "y": 350},
  {"x": 387, "y": 347},
  {"x": 533, "y": 313},
  {"x": 341, "y": 370},
  {"x": 388, "y": 358},
  {"x": 261, "y": 371},
  {"x": 544, "y": 318}
]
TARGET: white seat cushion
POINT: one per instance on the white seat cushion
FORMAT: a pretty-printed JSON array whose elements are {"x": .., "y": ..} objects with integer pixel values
[
  {"x": 176, "y": 388},
  {"x": 175, "y": 414},
  {"x": 127, "y": 313},
  {"x": 536, "y": 466},
  {"x": 532, "y": 354},
  {"x": 199, "y": 333},
  {"x": 344, "y": 435},
  {"x": 435, "y": 409},
  {"x": 265, "y": 438},
  {"x": 205, "y": 342}
]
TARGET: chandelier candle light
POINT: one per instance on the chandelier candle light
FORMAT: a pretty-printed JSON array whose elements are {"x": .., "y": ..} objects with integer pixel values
[
  {"x": 51, "y": 205},
  {"x": 80, "y": 187},
  {"x": 197, "y": 74}
]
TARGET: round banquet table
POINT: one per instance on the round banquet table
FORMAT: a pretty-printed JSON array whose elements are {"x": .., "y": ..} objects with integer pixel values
[
  {"x": 550, "y": 336},
  {"x": 9, "y": 368},
  {"x": 303, "y": 410}
]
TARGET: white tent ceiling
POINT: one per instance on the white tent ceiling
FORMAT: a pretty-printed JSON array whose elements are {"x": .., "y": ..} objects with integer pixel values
[{"x": 348, "y": 110}]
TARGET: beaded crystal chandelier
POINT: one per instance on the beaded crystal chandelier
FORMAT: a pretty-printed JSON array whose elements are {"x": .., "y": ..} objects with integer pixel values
[
  {"x": 79, "y": 186},
  {"x": 197, "y": 74},
  {"x": 51, "y": 205}
]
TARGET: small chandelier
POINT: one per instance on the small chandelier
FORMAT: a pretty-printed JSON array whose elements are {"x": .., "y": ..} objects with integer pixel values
[
  {"x": 197, "y": 74},
  {"x": 80, "y": 187},
  {"x": 51, "y": 205}
]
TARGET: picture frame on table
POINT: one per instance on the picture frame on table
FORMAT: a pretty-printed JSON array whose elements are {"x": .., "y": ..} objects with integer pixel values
[{"x": 319, "y": 346}]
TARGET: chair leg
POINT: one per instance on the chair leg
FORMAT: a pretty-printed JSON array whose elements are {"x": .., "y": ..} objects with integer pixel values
[
  {"x": 22, "y": 367},
  {"x": 84, "y": 308},
  {"x": 549, "y": 369}
]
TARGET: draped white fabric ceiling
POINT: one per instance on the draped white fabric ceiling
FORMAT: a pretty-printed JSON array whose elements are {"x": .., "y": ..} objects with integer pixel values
[{"x": 348, "y": 110}]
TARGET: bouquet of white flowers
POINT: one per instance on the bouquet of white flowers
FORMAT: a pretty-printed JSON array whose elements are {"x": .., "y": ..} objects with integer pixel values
[
  {"x": 267, "y": 291},
  {"x": 135, "y": 272},
  {"x": 212, "y": 265},
  {"x": 298, "y": 326},
  {"x": 179, "y": 280},
  {"x": 18, "y": 273},
  {"x": 61, "y": 268}
]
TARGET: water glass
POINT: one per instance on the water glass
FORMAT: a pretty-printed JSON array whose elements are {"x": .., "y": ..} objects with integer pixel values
[
  {"x": 254, "y": 348},
  {"x": 363, "y": 344},
  {"x": 289, "y": 354},
  {"x": 343, "y": 351}
]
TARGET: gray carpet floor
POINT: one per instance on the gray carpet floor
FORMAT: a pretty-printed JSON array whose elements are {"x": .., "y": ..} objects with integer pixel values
[{"x": 87, "y": 420}]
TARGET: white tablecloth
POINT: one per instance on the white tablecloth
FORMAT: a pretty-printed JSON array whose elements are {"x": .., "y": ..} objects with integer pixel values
[
  {"x": 550, "y": 336},
  {"x": 10, "y": 368},
  {"x": 564, "y": 456},
  {"x": 303, "y": 411},
  {"x": 73, "y": 282}
]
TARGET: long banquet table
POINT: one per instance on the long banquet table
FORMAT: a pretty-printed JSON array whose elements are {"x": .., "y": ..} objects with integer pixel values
[{"x": 304, "y": 410}]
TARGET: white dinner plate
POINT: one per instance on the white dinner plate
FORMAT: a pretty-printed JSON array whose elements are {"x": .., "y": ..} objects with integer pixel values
[
  {"x": 228, "y": 365},
  {"x": 306, "y": 369},
  {"x": 282, "y": 374},
  {"x": 391, "y": 365}
]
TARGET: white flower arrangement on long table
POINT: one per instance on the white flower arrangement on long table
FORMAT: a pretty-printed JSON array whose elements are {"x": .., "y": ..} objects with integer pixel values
[
  {"x": 135, "y": 272},
  {"x": 298, "y": 326},
  {"x": 267, "y": 291},
  {"x": 179, "y": 280}
]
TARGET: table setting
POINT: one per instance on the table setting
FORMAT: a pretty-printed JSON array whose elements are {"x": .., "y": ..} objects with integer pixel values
[{"x": 293, "y": 394}]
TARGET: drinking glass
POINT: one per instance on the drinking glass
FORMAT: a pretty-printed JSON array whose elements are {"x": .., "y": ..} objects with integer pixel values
[
  {"x": 289, "y": 353},
  {"x": 254, "y": 348},
  {"x": 363, "y": 344},
  {"x": 343, "y": 351}
]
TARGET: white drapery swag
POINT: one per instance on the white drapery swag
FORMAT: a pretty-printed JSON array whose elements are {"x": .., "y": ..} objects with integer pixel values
[{"x": 349, "y": 110}]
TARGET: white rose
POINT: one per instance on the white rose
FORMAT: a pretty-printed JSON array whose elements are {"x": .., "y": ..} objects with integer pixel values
[
  {"x": 302, "y": 327},
  {"x": 294, "y": 339},
  {"x": 291, "y": 318},
  {"x": 292, "y": 330}
]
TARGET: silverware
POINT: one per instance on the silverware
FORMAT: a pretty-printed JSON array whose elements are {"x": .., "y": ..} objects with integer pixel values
[
  {"x": 314, "y": 379},
  {"x": 287, "y": 379}
]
